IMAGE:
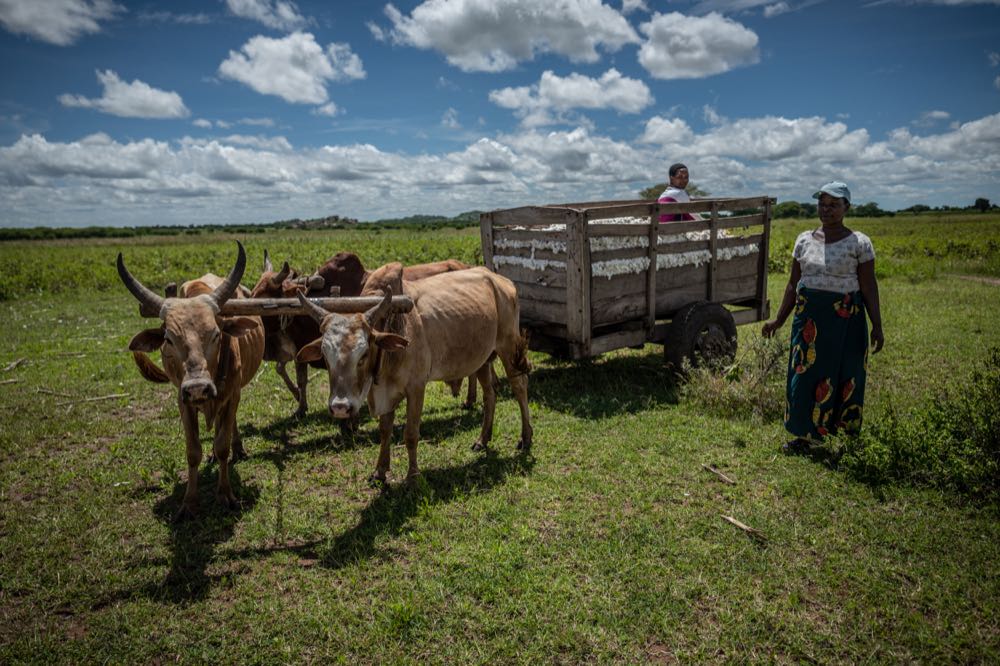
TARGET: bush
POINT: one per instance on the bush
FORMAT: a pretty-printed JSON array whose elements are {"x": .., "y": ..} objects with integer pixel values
[
  {"x": 952, "y": 443},
  {"x": 753, "y": 387}
]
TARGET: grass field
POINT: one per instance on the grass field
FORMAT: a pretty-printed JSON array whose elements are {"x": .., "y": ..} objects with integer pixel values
[{"x": 605, "y": 545}]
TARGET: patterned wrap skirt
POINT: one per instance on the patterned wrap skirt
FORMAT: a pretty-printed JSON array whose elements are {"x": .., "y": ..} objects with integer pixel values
[{"x": 827, "y": 365}]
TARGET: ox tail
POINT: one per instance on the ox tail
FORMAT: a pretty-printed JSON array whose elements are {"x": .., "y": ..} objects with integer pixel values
[
  {"x": 149, "y": 369},
  {"x": 521, "y": 362}
]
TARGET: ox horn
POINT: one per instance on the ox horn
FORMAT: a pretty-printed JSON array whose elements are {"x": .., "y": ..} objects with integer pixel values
[
  {"x": 315, "y": 311},
  {"x": 282, "y": 275},
  {"x": 226, "y": 290},
  {"x": 148, "y": 300},
  {"x": 378, "y": 312},
  {"x": 268, "y": 268}
]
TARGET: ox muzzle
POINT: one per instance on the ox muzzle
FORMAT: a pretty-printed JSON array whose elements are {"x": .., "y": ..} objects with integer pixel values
[{"x": 197, "y": 391}]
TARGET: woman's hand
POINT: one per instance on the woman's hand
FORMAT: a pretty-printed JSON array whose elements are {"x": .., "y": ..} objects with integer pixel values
[
  {"x": 877, "y": 339},
  {"x": 770, "y": 327}
]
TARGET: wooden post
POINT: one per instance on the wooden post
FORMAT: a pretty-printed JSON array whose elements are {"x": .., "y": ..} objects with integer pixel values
[
  {"x": 713, "y": 250},
  {"x": 763, "y": 311},
  {"x": 486, "y": 235},
  {"x": 654, "y": 231},
  {"x": 578, "y": 282}
]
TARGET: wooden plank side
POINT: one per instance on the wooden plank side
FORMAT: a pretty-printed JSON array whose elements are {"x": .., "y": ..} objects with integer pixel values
[
  {"x": 762, "y": 266},
  {"x": 528, "y": 216},
  {"x": 617, "y": 340},
  {"x": 528, "y": 235},
  {"x": 623, "y": 253},
  {"x": 619, "y": 308},
  {"x": 618, "y": 285},
  {"x": 721, "y": 243},
  {"x": 486, "y": 238},
  {"x": 598, "y": 230},
  {"x": 528, "y": 253},
  {"x": 550, "y": 277},
  {"x": 713, "y": 249},
  {"x": 539, "y": 292},
  {"x": 651, "y": 254},
  {"x": 542, "y": 311},
  {"x": 578, "y": 281}
]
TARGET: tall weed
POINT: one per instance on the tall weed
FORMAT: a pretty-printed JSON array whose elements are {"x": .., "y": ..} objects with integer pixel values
[
  {"x": 752, "y": 387},
  {"x": 952, "y": 443}
]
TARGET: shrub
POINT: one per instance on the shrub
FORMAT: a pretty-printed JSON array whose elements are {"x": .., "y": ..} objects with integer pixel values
[
  {"x": 753, "y": 387},
  {"x": 952, "y": 443}
]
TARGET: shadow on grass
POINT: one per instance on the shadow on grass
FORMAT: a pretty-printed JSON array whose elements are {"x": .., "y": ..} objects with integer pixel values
[
  {"x": 193, "y": 542},
  {"x": 388, "y": 513},
  {"x": 602, "y": 387}
]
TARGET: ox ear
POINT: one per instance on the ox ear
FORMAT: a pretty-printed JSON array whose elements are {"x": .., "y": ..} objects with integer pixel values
[
  {"x": 238, "y": 326},
  {"x": 390, "y": 341},
  {"x": 147, "y": 341},
  {"x": 311, "y": 352}
]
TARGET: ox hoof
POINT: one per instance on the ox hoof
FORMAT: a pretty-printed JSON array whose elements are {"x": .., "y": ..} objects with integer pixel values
[
  {"x": 523, "y": 445},
  {"x": 299, "y": 413},
  {"x": 184, "y": 514},
  {"x": 480, "y": 446},
  {"x": 468, "y": 405},
  {"x": 228, "y": 502},
  {"x": 378, "y": 482}
]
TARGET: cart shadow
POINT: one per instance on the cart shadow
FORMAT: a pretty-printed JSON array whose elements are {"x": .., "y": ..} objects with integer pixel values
[{"x": 605, "y": 386}]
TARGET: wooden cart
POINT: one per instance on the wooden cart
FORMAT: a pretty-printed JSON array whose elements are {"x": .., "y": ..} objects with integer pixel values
[{"x": 593, "y": 277}]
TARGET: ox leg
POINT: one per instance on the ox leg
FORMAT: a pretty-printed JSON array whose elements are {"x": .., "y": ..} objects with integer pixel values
[
  {"x": 485, "y": 376},
  {"x": 279, "y": 367},
  {"x": 470, "y": 396},
  {"x": 379, "y": 477},
  {"x": 225, "y": 431},
  {"x": 518, "y": 379},
  {"x": 189, "y": 419},
  {"x": 302, "y": 378},
  {"x": 411, "y": 432}
]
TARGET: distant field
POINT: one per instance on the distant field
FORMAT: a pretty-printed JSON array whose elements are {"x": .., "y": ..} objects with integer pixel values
[{"x": 606, "y": 545}]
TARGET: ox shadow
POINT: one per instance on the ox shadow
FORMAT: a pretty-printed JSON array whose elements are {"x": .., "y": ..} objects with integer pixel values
[
  {"x": 193, "y": 543},
  {"x": 294, "y": 436},
  {"x": 388, "y": 513},
  {"x": 601, "y": 387}
]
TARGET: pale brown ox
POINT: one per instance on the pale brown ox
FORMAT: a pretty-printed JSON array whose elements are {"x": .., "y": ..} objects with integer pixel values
[
  {"x": 459, "y": 322},
  {"x": 286, "y": 335},
  {"x": 208, "y": 358}
]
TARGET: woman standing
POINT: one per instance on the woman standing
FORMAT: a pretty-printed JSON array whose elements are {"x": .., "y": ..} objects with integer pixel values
[{"x": 832, "y": 284}]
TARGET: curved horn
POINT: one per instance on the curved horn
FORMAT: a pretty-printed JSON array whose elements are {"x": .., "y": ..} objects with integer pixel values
[
  {"x": 315, "y": 311},
  {"x": 268, "y": 268},
  {"x": 226, "y": 290},
  {"x": 146, "y": 297},
  {"x": 282, "y": 275},
  {"x": 378, "y": 312}
]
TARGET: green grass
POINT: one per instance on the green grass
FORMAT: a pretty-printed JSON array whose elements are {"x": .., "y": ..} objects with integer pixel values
[{"x": 606, "y": 545}]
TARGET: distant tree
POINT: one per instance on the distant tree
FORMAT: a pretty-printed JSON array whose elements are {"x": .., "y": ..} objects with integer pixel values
[
  {"x": 787, "y": 209},
  {"x": 869, "y": 209},
  {"x": 982, "y": 205},
  {"x": 654, "y": 191},
  {"x": 916, "y": 209}
]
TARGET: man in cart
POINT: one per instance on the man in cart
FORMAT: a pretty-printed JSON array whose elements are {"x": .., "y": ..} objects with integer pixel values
[{"x": 676, "y": 193}]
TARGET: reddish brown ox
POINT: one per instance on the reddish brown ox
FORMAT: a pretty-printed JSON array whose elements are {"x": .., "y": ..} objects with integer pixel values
[
  {"x": 285, "y": 336},
  {"x": 458, "y": 323},
  {"x": 208, "y": 358}
]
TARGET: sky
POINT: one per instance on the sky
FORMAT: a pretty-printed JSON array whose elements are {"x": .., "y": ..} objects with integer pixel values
[{"x": 251, "y": 111}]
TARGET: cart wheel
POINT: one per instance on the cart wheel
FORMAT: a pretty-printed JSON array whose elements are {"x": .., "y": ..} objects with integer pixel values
[{"x": 701, "y": 332}]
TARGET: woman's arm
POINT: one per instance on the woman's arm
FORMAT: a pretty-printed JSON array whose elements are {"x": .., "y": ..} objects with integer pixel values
[
  {"x": 869, "y": 292},
  {"x": 787, "y": 301}
]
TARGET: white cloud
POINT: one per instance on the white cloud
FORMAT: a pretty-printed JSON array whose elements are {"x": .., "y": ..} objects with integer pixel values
[
  {"x": 170, "y": 17},
  {"x": 994, "y": 58},
  {"x": 248, "y": 178},
  {"x": 555, "y": 93},
  {"x": 996, "y": 83},
  {"x": 378, "y": 33},
  {"x": 928, "y": 118},
  {"x": 946, "y": 3},
  {"x": 130, "y": 100},
  {"x": 694, "y": 47},
  {"x": 294, "y": 67},
  {"x": 495, "y": 35},
  {"x": 329, "y": 109},
  {"x": 629, "y": 6},
  {"x": 202, "y": 123},
  {"x": 776, "y": 9},
  {"x": 59, "y": 22},
  {"x": 450, "y": 119},
  {"x": 275, "y": 14},
  {"x": 711, "y": 115}
]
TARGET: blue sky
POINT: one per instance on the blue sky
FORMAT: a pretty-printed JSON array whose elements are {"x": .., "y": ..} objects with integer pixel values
[{"x": 132, "y": 113}]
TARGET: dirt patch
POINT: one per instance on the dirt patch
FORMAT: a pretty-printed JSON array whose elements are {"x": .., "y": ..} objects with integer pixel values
[{"x": 981, "y": 278}]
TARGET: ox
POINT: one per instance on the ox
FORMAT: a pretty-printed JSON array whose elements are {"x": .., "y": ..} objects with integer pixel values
[
  {"x": 208, "y": 358},
  {"x": 285, "y": 336},
  {"x": 458, "y": 323}
]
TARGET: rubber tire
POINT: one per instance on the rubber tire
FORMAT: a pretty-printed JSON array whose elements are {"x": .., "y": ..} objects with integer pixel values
[{"x": 701, "y": 332}]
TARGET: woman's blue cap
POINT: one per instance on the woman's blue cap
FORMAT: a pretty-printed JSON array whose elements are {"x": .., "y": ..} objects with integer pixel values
[{"x": 835, "y": 189}]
